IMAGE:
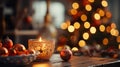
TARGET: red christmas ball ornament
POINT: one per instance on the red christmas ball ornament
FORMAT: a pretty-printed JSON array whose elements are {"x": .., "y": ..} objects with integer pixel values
[
  {"x": 8, "y": 43},
  {"x": 3, "y": 51},
  {"x": 66, "y": 54},
  {"x": 12, "y": 52},
  {"x": 28, "y": 19}
]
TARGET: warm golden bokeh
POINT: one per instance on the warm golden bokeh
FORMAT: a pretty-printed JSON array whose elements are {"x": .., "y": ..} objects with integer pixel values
[
  {"x": 74, "y": 49},
  {"x": 101, "y": 12},
  {"x": 76, "y": 25},
  {"x": 105, "y": 41},
  {"x": 114, "y": 32},
  {"x": 104, "y": 3},
  {"x": 118, "y": 39},
  {"x": 108, "y": 14},
  {"x": 63, "y": 26},
  {"x": 92, "y": 30},
  {"x": 87, "y": 25},
  {"x": 91, "y": 1},
  {"x": 102, "y": 28},
  {"x": 82, "y": 43},
  {"x": 71, "y": 28},
  {"x": 119, "y": 46},
  {"x": 83, "y": 17},
  {"x": 88, "y": 7},
  {"x": 96, "y": 16},
  {"x": 113, "y": 25},
  {"x": 68, "y": 22},
  {"x": 73, "y": 11},
  {"x": 75, "y": 5},
  {"x": 85, "y": 36},
  {"x": 108, "y": 28}
]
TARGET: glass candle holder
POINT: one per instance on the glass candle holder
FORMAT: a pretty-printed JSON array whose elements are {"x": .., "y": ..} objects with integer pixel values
[{"x": 46, "y": 47}]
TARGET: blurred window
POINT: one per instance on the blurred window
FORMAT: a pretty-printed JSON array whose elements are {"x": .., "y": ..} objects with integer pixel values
[{"x": 56, "y": 11}]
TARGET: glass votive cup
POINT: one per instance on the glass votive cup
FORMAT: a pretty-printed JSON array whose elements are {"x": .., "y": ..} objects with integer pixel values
[{"x": 45, "y": 47}]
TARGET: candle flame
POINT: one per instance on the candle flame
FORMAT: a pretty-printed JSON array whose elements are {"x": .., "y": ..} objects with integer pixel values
[{"x": 40, "y": 39}]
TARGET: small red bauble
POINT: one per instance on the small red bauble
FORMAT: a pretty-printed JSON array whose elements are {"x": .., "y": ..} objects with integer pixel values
[
  {"x": 12, "y": 52},
  {"x": 19, "y": 47},
  {"x": 3, "y": 51},
  {"x": 28, "y": 19},
  {"x": 8, "y": 43},
  {"x": 66, "y": 54}
]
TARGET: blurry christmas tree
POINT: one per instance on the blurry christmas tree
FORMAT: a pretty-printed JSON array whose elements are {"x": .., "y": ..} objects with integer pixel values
[{"x": 90, "y": 24}]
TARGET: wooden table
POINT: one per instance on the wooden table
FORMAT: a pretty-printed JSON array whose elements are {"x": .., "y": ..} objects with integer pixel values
[{"x": 75, "y": 61}]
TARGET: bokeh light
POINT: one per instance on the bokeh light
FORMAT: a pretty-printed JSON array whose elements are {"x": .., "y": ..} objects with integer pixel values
[
  {"x": 82, "y": 43},
  {"x": 87, "y": 25},
  {"x": 102, "y": 28},
  {"x": 118, "y": 39},
  {"x": 88, "y": 7},
  {"x": 71, "y": 28},
  {"x": 118, "y": 46},
  {"x": 114, "y": 32},
  {"x": 97, "y": 16},
  {"x": 108, "y": 14},
  {"x": 75, "y": 5},
  {"x": 68, "y": 22},
  {"x": 93, "y": 30},
  {"x": 85, "y": 36},
  {"x": 101, "y": 12},
  {"x": 108, "y": 29},
  {"x": 113, "y": 25},
  {"x": 74, "y": 49},
  {"x": 83, "y": 17},
  {"x": 76, "y": 25},
  {"x": 104, "y": 3},
  {"x": 105, "y": 41},
  {"x": 91, "y": 1},
  {"x": 63, "y": 26},
  {"x": 73, "y": 11}
]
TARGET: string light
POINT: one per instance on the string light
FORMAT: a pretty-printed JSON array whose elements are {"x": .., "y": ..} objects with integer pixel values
[
  {"x": 75, "y": 5},
  {"x": 87, "y": 25},
  {"x": 63, "y": 26},
  {"x": 71, "y": 28},
  {"x": 76, "y": 25},
  {"x": 108, "y": 14},
  {"x": 105, "y": 41},
  {"x": 97, "y": 16},
  {"x": 108, "y": 29},
  {"x": 104, "y": 3},
  {"x": 114, "y": 32},
  {"x": 68, "y": 22},
  {"x": 82, "y": 43},
  {"x": 88, "y": 7},
  {"x": 102, "y": 28},
  {"x": 83, "y": 17},
  {"x": 118, "y": 39},
  {"x": 93, "y": 30},
  {"x": 86, "y": 36},
  {"x": 74, "y": 49},
  {"x": 119, "y": 46},
  {"x": 113, "y": 25},
  {"x": 73, "y": 11},
  {"x": 91, "y": 1},
  {"x": 101, "y": 12}
]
